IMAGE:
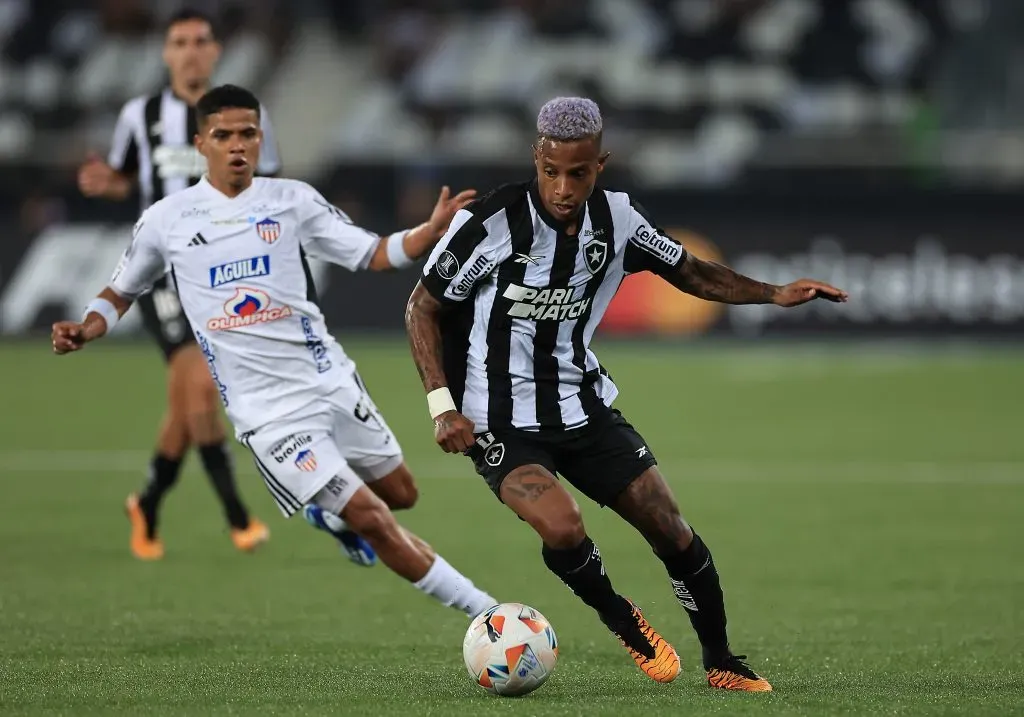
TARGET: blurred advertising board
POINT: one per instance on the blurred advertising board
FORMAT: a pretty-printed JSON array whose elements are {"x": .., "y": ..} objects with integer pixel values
[{"x": 930, "y": 265}]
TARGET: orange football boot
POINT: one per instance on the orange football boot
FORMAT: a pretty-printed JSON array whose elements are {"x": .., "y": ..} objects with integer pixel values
[
  {"x": 735, "y": 674},
  {"x": 649, "y": 650},
  {"x": 251, "y": 537},
  {"x": 144, "y": 544}
]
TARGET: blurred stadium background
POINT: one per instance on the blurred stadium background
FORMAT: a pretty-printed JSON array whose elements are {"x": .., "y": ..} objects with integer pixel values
[{"x": 875, "y": 446}]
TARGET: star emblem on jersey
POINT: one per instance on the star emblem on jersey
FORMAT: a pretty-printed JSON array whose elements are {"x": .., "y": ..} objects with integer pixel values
[
  {"x": 269, "y": 230},
  {"x": 495, "y": 454},
  {"x": 594, "y": 254}
]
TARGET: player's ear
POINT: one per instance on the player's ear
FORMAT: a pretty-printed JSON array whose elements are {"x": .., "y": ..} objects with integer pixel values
[
  {"x": 601, "y": 160},
  {"x": 217, "y": 49}
]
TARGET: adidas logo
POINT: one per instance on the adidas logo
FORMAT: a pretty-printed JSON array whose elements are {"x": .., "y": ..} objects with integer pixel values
[{"x": 197, "y": 240}]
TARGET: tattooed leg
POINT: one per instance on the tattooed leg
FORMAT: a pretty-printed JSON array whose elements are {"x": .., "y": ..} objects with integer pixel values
[
  {"x": 539, "y": 499},
  {"x": 649, "y": 506}
]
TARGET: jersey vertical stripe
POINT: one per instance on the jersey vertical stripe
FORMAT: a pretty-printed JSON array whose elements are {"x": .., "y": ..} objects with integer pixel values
[
  {"x": 602, "y": 229},
  {"x": 151, "y": 183},
  {"x": 499, "y": 331},
  {"x": 545, "y": 358}
]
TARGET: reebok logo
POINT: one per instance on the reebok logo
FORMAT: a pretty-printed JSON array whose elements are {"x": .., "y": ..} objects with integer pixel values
[
  {"x": 527, "y": 259},
  {"x": 198, "y": 240}
]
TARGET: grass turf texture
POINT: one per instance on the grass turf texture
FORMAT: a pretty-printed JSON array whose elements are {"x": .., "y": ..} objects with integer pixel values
[{"x": 865, "y": 511}]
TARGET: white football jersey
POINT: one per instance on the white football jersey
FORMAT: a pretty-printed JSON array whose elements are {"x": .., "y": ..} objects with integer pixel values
[{"x": 240, "y": 268}]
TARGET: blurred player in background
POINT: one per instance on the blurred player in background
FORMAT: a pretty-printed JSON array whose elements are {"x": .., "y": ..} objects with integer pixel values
[
  {"x": 294, "y": 397},
  {"x": 500, "y": 327},
  {"x": 153, "y": 150}
]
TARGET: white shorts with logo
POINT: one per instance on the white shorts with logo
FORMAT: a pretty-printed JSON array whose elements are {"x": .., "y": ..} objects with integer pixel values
[{"x": 325, "y": 452}]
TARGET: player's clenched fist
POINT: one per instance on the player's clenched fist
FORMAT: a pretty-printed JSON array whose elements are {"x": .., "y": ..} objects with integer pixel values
[
  {"x": 67, "y": 336},
  {"x": 453, "y": 432}
]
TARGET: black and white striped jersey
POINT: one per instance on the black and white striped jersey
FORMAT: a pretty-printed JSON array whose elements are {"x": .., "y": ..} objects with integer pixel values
[
  {"x": 529, "y": 297},
  {"x": 153, "y": 139}
]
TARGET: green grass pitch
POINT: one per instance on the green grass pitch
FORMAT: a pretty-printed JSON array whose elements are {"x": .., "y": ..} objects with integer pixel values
[{"x": 865, "y": 509}]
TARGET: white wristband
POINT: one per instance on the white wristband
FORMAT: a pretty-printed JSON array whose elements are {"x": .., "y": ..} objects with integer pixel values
[
  {"x": 440, "y": 401},
  {"x": 105, "y": 309},
  {"x": 396, "y": 250}
]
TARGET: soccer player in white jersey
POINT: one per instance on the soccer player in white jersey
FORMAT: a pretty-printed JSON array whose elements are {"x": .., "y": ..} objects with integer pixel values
[
  {"x": 237, "y": 245},
  {"x": 152, "y": 150}
]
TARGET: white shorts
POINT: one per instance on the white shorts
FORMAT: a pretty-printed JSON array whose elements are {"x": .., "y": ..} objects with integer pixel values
[{"x": 331, "y": 448}]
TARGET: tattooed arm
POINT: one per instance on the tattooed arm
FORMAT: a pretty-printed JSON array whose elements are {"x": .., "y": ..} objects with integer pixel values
[
  {"x": 423, "y": 324},
  {"x": 452, "y": 431},
  {"x": 714, "y": 282}
]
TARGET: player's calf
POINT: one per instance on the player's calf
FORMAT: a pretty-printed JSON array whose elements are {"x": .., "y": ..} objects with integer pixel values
[{"x": 369, "y": 516}]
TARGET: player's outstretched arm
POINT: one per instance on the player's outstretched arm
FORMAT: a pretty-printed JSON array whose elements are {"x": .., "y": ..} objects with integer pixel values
[
  {"x": 714, "y": 282},
  {"x": 452, "y": 431},
  {"x": 401, "y": 249},
  {"x": 100, "y": 316},
  {"x": 98, "y": 179}
]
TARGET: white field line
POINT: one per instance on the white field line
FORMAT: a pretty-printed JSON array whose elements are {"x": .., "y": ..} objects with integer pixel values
[{"x": 679, "y": 471}]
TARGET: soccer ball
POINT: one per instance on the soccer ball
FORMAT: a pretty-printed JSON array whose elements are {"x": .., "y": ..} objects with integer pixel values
[{"x": 510, "y": 649}]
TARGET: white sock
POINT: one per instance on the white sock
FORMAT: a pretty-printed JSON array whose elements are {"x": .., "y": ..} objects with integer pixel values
[{"x": 454, "y": 589}]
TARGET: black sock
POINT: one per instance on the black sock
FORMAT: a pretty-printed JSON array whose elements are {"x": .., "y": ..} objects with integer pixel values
[
  {"x": 163, "y": 473},
  {"x": 699, "y": 591},
  {"x": 582, "y": 570},
  {"x": 217, "y": 463}
]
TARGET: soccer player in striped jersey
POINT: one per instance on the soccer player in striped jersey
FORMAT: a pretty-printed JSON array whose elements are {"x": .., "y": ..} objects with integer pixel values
[
  {"x": 152, "y": 150},
  {"x": 500, "y": 328}
]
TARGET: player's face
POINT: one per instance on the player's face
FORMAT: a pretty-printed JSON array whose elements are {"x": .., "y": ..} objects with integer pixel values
[
  {"x": 230, "y": 141},
  {"x": 191, "y": 52},
  {"x": 567, "y": 173}
]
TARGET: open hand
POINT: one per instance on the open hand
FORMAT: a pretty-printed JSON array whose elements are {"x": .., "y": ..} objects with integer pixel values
[
  {"x": 67, "y": 336},
  {"x": 447, "y": 206},
  {"x": 454, "y": 432},
  {"x": 804, "y": 290},
  {"x": 95, "y": 176}
]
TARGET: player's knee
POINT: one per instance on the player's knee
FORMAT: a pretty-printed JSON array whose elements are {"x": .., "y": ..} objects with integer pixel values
[
  {"x": 405, "y": 497},
  {"x": 672, "y": 536},
  {"x": 561, "y": 529},
  {"x": 374, "y": 522}
]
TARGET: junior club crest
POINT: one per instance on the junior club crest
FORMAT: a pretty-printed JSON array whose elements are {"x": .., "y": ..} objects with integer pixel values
[
  {"x": 269, "y": 230},
  {"x": 595, "y": 252}
]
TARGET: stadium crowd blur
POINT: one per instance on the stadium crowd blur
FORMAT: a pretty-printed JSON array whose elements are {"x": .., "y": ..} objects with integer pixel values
[{"x": 378, "y": 101}]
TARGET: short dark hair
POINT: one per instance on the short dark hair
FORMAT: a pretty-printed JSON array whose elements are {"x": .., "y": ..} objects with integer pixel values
[
  {"x": 190, "y": 13},
  {"x": 225, "y": 97}
]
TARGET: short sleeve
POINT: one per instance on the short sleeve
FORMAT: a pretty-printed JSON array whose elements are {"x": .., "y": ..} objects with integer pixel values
[
  {"x": 460, "y": 260},
  {"x": 124, "y": 147},
  {"x": 270, "y": 157},
  {"x": 648, "y": 247},
  {"x": 143, "y": 262},
  {"x": 329, "y": 235}
]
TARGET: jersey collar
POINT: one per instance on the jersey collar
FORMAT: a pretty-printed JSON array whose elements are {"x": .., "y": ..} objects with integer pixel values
[
  {"x": 557, "y": 224},
  {"x": 204, "y": 182}
]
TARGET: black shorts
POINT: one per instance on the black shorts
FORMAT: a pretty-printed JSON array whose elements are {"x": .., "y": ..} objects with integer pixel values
[
  {"x": 164, "y": 319},
  {"x": 600, "y": 459}
]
